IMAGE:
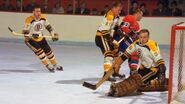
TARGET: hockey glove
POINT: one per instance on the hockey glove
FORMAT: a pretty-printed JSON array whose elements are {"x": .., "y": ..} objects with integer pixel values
[
  {"x": 115, "y": 43},
  {"x": 55, "y": 37},
  {"x": 161, "y": 75},
  {"x": 36, "y": 36}
]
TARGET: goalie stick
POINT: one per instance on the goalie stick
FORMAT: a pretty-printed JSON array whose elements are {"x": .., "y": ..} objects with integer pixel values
[
  {"x": 101, "y": 81},
  {"x": 20, "y": 34}
]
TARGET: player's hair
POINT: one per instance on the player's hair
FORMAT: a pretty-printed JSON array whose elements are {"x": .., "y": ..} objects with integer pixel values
[
  {"x": 143, "y": 4},
  {"x": 36, "y": 6},
  {"x": 137, "y": 11},
  {"x": 144, "y": 31},
  {"x": 133, "y": 2},
  {"x": 116, "y": 4}
]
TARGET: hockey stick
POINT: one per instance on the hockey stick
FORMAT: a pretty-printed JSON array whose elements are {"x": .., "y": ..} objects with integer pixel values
[
  {"x": 101, "y": 81},
  {"x": 20, "y": 34}
]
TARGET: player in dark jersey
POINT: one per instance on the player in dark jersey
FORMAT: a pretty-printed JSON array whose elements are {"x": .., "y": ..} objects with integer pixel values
[{"x": 128, "y": 29}]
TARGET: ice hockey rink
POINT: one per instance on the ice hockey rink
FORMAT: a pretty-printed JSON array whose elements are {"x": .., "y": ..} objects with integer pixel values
[{"x": 24, "y": 80}]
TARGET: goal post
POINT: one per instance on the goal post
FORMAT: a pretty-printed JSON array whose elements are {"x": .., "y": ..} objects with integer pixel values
[{"x": 176, "y": 91}]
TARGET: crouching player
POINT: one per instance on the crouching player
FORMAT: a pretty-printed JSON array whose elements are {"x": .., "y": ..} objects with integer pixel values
[
  {"x": 151, "y": 73},
  {"x": 35, "y": 25}
]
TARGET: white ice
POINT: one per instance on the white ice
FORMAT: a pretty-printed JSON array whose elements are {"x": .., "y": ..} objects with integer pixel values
[{"x": 24, "y": 80}]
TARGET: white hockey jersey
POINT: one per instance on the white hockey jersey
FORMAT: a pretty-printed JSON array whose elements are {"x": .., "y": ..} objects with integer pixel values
[
  {"x": 36, "y": 26},
  {"x": 149, "y": 53},
  {"x": 108, "y": 23}
]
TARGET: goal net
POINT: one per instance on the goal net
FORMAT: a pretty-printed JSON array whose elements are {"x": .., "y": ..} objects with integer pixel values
[{"x": 176, "y": 93}]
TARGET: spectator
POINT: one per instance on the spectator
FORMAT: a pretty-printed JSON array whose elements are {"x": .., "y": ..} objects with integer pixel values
[
  {"x": 7, "y": 6},
  {"x": 58, "y": 8},
  {"x": 134, "y": 6},
  {"x": 82, "y": 9},
  {"x": 175, "y": 11},
  {"x": 45, "y": 8},
  {"x": 144, "y": 10},
  {"x": 94, "y": 11},
  {"x": 181, "y": 6},
  {"x": 18, "y": 6},
  {"x": 122, "y": 13},
  {"x": 69, "y": 9},
  {"x": 160, "y": 10},
  {"x": 106, "y": 8},
  {"x": 30, "y": 6}
]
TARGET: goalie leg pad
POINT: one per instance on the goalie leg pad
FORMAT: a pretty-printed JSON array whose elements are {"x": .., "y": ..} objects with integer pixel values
[
  {"x": 125, "y": 87},
  {"x": 154, "y": 85}
]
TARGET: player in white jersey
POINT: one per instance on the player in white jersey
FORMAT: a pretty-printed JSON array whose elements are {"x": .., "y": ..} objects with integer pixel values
[
  {"x": 104, "y": 36},
  {"x": 151, "y": 72},
  {"x": 34, "y": 25}
]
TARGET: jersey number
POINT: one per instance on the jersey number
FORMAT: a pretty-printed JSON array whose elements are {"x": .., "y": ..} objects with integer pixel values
[{"x": 38, "y": 27}]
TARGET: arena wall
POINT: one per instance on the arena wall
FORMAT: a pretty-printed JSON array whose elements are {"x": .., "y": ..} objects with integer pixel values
[{"x": 80, "y": 28}]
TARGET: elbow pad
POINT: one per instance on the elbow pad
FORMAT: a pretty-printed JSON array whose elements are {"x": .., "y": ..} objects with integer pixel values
[{"x": 49, "y": 28}]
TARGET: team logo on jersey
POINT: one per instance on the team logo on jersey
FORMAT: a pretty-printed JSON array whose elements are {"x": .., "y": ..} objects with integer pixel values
[
  {"x": 139, "y": 52},
  {"x": 38, "y": 27}
]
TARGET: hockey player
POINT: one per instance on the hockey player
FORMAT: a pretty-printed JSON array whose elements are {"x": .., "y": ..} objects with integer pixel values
[
  {"x": 104, "y": 36},
  {"x": 129, "y": 29},
  {"x": 151, "y": 72},
  {"x": 35, "y": 25}
]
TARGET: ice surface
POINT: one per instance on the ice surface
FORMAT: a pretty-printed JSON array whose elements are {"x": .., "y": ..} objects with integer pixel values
[{"x": 24, "y": 80}]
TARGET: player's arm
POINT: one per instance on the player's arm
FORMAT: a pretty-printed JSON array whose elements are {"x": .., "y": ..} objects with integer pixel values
[
  {"x": 27, "y": 27},
  {"x": 51, "y": 30},
  {"x": 120, "y": 59},
  {"x": 159, "y": 61},
  {"x": 109, "y": 31},
  {"x": 130, "y": 27}
]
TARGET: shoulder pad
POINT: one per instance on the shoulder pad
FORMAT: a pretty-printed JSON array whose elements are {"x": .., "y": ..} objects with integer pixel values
[
  {"x": 152, "y": 45},
  {"x": 43, "y": 16},
  {"x": 29, "y": 19},
  {"x": 109, "y": 15}
]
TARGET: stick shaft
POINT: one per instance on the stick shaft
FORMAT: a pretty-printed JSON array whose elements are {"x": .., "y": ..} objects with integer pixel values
[{"x": 23, "y": 35}]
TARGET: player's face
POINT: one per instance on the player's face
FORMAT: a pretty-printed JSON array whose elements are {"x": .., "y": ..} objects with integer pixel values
[
  {"x": 143, "y": 38},
  {"x": 139, "y": 16},
  {"x": 37, "y": 13},
  {"x": 117, "y": 10}
]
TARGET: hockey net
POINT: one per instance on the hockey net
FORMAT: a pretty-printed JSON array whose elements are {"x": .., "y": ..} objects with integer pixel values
[{"x": 176, "y": 93}]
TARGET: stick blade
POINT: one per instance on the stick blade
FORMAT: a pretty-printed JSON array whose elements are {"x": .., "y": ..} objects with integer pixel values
[
  {"x": 89, "y": 85},
  {"x": 10, "y": 29}
]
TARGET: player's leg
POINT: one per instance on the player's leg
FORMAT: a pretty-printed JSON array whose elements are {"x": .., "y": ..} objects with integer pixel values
[
  {"x": 49, "y": 53},
  {"x": 106, "y": 48},
  {"x": 35, "y": 47},
  {"x": 116, "y": 73},
  {"x": 151, "y": 80},
  {"x": 122, "y": 47},
  {"x": 124, "y": 44}
]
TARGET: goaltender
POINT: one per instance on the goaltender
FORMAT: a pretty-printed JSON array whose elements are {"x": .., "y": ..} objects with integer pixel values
[{"x": 151, "y": 74}]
